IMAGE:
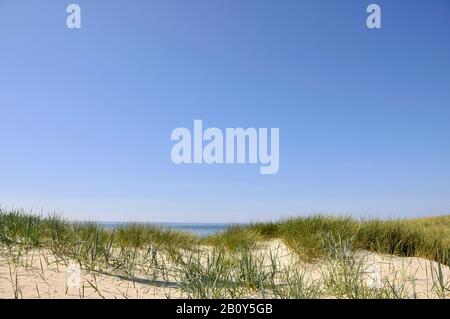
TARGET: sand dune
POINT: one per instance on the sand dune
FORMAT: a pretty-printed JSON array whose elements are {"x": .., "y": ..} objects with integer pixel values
[{"x": 40, "y": 274}]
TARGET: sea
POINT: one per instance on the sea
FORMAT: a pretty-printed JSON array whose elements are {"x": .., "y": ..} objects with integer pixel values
[{"x": 201, "y": 229}]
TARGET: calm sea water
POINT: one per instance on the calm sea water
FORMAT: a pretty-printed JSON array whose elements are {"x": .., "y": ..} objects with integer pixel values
[{"x": 199, "y": 229}]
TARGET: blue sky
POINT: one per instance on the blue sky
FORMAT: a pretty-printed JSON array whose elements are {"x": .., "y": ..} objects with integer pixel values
[{"x": 86, "y": 115}]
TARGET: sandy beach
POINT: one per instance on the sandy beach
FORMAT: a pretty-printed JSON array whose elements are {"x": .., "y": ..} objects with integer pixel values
[{"x": 41, "y": 274}]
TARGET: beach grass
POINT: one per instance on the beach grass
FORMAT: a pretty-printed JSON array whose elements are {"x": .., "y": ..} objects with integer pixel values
[
  {"x": 234, "y": 238},
  {"x": 426, "y": 237},
  {"x": 224, "y": 265}
]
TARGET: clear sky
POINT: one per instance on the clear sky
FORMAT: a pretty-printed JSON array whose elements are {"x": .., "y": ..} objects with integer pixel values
[{"x": 86, "y": 115}]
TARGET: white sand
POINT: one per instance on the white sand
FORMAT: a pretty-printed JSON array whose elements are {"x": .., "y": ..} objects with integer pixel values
[{"x": 38, "y": 275}]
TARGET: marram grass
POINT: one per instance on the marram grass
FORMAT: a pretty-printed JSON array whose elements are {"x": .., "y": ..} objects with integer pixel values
[
  {"x": 224, "y": 265},
  {"x": 427, "y": 237}
]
